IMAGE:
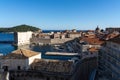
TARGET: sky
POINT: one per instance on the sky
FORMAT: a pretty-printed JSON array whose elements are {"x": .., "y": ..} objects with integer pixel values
[{"x": 60, "y": 14}]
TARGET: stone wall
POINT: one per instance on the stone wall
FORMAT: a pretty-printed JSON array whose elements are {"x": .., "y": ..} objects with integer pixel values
[
  {"x": 59, "y": 41},
  {"x": 35, "y": 75},
  {"x": 49, "y": 41},
  {"x": 13, "y": 64},
  {"x": 40, "y": 41}
]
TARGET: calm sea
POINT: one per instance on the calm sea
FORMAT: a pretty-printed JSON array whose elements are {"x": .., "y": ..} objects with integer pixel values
[
  {"x": 6, "y": 37},
  {"x": 6, "y": 48}
]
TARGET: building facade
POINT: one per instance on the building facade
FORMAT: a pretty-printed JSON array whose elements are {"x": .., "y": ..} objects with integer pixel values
[
  {"x": 74, "y": 35},
  {"x": 22, "y": 38},
  {"x": 113, "y": 29},
  {"x": 109, "y": 59},
  {"x": 45, "y": 69},
  {"x": 20, "y": 59}
]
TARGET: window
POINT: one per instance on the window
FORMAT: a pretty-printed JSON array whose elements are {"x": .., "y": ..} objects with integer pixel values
[
  {"x": 19, "y": 68},
  {"x": 5, "y": 68}
]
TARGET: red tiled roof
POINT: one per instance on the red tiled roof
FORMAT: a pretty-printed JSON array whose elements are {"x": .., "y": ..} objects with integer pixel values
[{"x": 93, "y": 41}]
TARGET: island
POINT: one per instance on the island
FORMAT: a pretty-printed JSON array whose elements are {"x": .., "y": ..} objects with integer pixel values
[{"x": 20, "y": 28}]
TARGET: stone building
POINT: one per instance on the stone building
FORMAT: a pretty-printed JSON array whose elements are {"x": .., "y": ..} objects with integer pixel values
[
  {"x": 43, "y": 36},
  {"x": 62, "y": 36},
  {"x": 18, "y": 60},
  {"x": 89, "y": 46},
  {"x": 45, "y": 69},
  {"x": 56, "y": 35},
  {"x": 110, "y": 35},
  {"x": 74, "y": 35},
  {"x": 92, "y": 52},
  {"x": 86, "y": 43},
  {"x": 109, "y": 59},
  {"x": 22, "y": 38},
  {"x": 112, "y": 29},
  {"x": 52, "y": 65}
]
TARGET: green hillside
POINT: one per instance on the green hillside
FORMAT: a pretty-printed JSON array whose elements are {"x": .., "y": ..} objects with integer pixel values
[{"x": 20, "y": 28}]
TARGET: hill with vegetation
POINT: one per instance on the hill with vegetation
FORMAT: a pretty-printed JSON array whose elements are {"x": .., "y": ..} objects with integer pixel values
[{"x": 20, "y": 28}]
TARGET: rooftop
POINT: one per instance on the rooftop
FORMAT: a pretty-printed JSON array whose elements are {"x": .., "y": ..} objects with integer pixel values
[
  {"x": 92, "y": 41},
  {"x": 111, "y": 35},
  {"x": 52, "y": 65},
  {"x": 20, "y": 54},
  {"x": 116, "y": 39}
]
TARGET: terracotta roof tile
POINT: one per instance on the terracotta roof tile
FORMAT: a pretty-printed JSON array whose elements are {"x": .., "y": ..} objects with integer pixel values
[
  {"x": 93, "y": 41},
  {"x": 21, "y": 54}
]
